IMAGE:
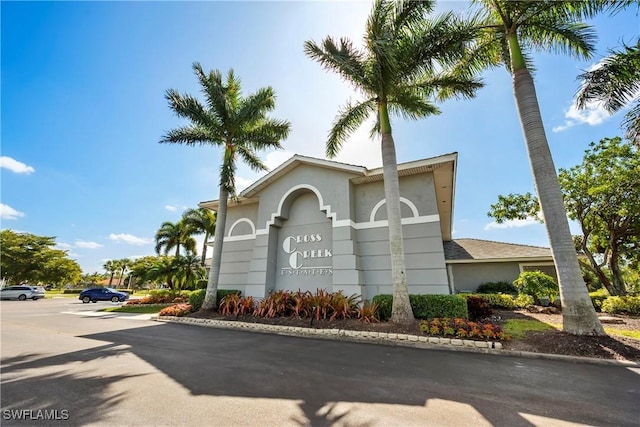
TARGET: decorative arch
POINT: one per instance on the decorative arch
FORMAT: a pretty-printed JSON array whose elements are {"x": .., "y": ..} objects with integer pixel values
[
  {"x": 247, "y": 220},
  {"x": 404, "y": 200},
  {"x": 286, "y": 201}
]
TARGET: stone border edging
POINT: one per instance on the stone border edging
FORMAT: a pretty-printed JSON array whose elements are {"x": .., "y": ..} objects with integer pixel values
[{"x": 403, "y": 340}]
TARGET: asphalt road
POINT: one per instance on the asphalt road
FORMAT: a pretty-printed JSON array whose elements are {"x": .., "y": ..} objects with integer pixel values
[{"x": 64, "y": 361}]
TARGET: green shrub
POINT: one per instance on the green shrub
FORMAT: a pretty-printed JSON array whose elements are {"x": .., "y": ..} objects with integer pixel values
[
  {"x": 72, "y": 291},
  {"x": 622, "y": 305},
  {"x": 537, "y": 284},
  {"x": 497, "y": 288},
  {"x": 500, "y": 300},
  {"x": 425, "y": 306},
  {"x": 598, "y": 297},
  {"x": 196, "y": 298},
  {"x": 432, "y": 306},
  {"x": 384, "y": 303},
  {"x": 523, "y": 300}
]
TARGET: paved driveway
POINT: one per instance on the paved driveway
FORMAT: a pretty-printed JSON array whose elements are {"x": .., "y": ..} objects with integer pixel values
[{"x": 61, "y": 358}]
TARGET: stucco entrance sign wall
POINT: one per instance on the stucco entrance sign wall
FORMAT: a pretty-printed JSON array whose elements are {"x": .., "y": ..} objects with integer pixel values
[{"x": 304, "y": 248}]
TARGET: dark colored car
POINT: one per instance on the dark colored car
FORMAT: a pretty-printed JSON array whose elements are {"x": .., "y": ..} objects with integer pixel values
[{"x": 102, "y": 294}]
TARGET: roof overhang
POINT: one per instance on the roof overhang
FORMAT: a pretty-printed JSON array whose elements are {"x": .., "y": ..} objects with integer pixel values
[{"x": 443, "y": 167}]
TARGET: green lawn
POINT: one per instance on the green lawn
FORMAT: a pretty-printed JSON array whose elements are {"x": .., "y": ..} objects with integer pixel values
[
  {"x": 146, "y": 309},
  {"x": 517, "y": 328}
]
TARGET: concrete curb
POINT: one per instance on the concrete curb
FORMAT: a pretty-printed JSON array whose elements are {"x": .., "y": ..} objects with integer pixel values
[{"x": 401, "y": 340}]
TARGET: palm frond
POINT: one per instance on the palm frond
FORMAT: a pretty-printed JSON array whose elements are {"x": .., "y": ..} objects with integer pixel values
[
  {"x": 615, "y": 82},
  {"x": 191, "y": 135},
  {"x": 188, "y": 107},
  {"x": 250, "y": 158},
  {"x": 266, "y": 135},
  {"x": 255, "y": 106},
  {"x": 213, "y": 89},
  {"x": 344, "y": 60},
  {"x": 349, "y": 119},
  {"x": 631, "y": 124},
  {"x": 575, "y": 39},
  {"x": 411, "y": 107}
]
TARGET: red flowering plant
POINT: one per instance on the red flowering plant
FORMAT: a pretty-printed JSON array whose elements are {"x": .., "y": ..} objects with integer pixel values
[
  {"x": 462, "y": 328},
  {"x": 177, "y": 310}
]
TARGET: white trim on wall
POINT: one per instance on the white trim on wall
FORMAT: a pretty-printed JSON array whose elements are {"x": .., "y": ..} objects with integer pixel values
[
  {"x": 247, "y": 220},
  {"x": 404, "y": 200},
  {"x": 534, "y": 264}
]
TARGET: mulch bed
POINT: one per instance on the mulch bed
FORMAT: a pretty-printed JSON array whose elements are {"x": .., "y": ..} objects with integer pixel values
[{"x": 552, "y": 342}]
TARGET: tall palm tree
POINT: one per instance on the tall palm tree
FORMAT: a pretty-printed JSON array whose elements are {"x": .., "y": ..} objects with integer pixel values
[
  {"x": 239, "y": 125},
  {"x": 188, "y": 271},
  {"x": 616, "y": 83},
  {"x": 111, "y": 267},
  {"x": 201, "y": 220},
  {"x": 406, "y": 63},
  {"x": 512, "y": 29},
  {"x": 173, "y": 235}
]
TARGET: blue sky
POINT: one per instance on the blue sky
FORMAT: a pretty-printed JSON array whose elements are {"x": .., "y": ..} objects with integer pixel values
[{"x": 83, "y": 110}]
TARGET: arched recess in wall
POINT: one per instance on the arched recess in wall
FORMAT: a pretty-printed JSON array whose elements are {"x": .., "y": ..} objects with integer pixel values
[
  {"x": 407, "y": 202},
  {"x": 240, "y": 232},
  {"x": 291, "y": 195}
]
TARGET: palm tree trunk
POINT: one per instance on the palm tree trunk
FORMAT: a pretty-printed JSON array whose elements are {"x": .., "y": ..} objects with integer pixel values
[
  {"x": 578, "y": 314},
  {"x": 204, "y": 249},
  {"x": 214, "y": 273},
  {"x": 401, "y": 308}
]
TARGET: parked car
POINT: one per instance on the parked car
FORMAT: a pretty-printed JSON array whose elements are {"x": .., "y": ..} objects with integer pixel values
[
  {"x": 38, "y": 291},
  {"x": 21, "y": 292},
  {"x": 102, "y": 294}
]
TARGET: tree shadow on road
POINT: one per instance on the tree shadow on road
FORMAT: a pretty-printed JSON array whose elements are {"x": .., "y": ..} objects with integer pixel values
[{"x": 322, "y": 374}]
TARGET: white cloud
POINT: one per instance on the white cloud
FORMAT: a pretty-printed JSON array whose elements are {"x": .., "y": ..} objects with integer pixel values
[
  {"x": 7, "y": 212},
  {"x": 63, "y": 246},
  {"x": 242, "y": 183},
  {"x": 593, "y": 115},
  {"x": 87, "y": 245},
  {"x": 129, "y": 239},
  {"x": 512, "y": 223},
  {"x": 15, "y": 166},
  {"x": 171, "y": 208}
]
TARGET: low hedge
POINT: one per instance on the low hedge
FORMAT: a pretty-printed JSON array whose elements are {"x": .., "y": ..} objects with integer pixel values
[
  {"x": 497, "y": 288},
  {"x": 506, "y": 301},
  {"x": 425, "y": 306},
  {"x": 622, "y": 305}
]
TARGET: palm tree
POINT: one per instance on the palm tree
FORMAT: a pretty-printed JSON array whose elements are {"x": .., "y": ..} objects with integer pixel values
[
  {"x": 164, "y": 269},
  {"x": 201, "y": 220},
  {"x": 511, "y": 29},
  {"x": 188, "y": 271},
  {"x": 111, "y": 267},
  {"x": 396, "y": 73},
  {"x": 239, "y": 125},
  {"x": 616, "y": 83},
  {"x": 124, "y": 264},
  {"x": 173, "y": 235}
]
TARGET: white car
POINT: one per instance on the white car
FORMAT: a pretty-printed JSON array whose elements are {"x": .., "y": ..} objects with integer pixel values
[{"x": 20, "y": 292}]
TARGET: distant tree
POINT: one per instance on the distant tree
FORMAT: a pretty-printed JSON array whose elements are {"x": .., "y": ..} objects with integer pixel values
[
  {"x": 603, "y": 195},
  {"x": 174, "y": 235},
  {"x": 163, "y": 270},
  {"x": 110, "y": 267},
  {"x": 124, "y": 265},
  {"x": 239, "y": 125},
  {"x": 188, "y": 271},
  {"x": 27, "y": 258},
  {"x": 201, "y": 220},
  {"x": 408, "y": 62}
]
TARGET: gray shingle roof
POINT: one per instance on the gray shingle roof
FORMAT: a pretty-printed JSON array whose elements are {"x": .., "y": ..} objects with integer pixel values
[{"x": 475, "y": 249}]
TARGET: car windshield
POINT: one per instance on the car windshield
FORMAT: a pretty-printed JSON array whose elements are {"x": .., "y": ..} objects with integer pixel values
[{"x": 110, "y": 290}]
